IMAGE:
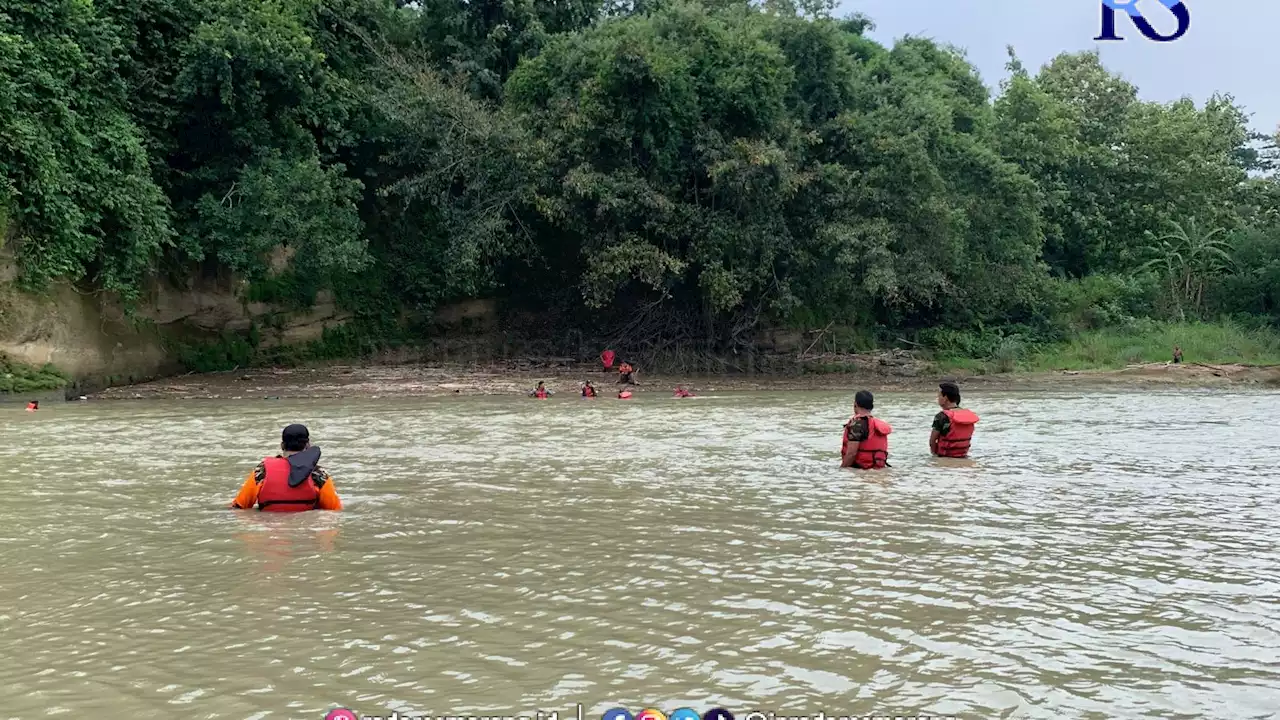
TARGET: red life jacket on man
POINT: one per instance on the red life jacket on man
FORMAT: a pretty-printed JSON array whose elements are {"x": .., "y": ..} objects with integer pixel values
[
  {"x": 955, "y": 444},
  {"x": 275, "y": 495},
  {"x": 873, "y": 453},
  {"x": 541, "y": 393},
  {"x": 606, "y": 358},
  {"x": 624, "y": 395}
]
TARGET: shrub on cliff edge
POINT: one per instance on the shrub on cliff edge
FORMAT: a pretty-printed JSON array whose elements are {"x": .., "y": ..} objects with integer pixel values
[{"x": 17, "y": 377}]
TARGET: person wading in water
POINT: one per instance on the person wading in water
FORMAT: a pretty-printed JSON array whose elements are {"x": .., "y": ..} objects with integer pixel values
[
  {"x": 292, "y": 481},
  {"x": 953, "y": 427},
  {"x": 865, "y": 444}
]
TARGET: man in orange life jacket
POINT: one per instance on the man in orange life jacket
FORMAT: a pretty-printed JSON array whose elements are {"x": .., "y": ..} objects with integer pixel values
[
  {"x": 953, "y": 427},
  {"x": 290, "y": 482},
  {"x": 866, "y": 438}
]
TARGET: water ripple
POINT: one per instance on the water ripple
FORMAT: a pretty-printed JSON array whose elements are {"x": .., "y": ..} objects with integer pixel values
[{"x": 1103, "y": 555}]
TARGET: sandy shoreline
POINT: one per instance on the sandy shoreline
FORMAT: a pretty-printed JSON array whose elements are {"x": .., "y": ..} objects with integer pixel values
[{"x": 339, "y": 381}]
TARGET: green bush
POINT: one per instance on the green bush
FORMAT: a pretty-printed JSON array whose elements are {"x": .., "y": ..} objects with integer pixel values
[
  {"x": 15, "y": 377},
  {"x": 1254, "y": 289},
  {"x": 1100, "y": 301},
  {"x": 1008, "y": 353},
  {"x": 288, "y": 289}
]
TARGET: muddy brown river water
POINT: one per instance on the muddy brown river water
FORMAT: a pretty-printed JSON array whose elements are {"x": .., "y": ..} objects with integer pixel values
[{"x": 1104, "y": 555}]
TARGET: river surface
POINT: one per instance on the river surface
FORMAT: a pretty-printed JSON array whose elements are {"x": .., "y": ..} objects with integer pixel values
[{"x": 1105, "y": 555}]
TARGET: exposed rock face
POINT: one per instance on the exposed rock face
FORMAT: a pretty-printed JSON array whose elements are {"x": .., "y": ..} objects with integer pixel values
[{"x": 90, "y": 336}]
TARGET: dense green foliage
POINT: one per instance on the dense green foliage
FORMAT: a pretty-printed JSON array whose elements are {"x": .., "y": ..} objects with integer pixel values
[
  {"x": 16, "y": 377},
  {"x": 663, "y": 172}
]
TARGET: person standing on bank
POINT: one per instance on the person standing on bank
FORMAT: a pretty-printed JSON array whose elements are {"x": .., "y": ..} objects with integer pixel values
[
  {"x": 953, "y": 427},
  {"x": 290, "y": 482},
  {"x": 865, "y": 445}
]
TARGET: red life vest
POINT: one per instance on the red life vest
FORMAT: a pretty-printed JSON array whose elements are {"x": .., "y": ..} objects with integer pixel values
[
  {"x": 624, "y": 395},
  {"x": 275, "y": 495},
  {"x": 588, "y": 392},
  {"x": 955, "y": 444},
  {"x": 606, "y": 357},
  {"x": 541, "y": 393},
  {"x": 873, "y": 453}
]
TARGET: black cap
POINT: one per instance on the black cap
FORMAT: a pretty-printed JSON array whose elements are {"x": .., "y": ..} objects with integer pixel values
[
  {"x": 295, "y": 437},
  {"x": 865, "y": 400}
]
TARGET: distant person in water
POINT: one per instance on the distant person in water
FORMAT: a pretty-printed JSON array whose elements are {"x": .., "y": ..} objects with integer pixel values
[
  {"x": 953, "y": 427},
  {"x": 1177, "y": 355},
  {"x": 865, "y": 444},
  {"x": 626, "y": 374},
  {"x": 588, "y": 390},
  {"x": 680, "y": 392},
  {"x": 33, "y": 406},
  {"x": 292, "y": 481},
  {"x": 541, "y": 392}
]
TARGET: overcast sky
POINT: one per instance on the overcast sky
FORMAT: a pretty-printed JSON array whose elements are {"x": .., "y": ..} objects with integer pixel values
[{"x": 1233, "y": 46}]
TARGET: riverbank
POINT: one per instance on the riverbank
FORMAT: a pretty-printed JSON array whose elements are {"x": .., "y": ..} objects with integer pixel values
[{"x": 564, "y": 378}]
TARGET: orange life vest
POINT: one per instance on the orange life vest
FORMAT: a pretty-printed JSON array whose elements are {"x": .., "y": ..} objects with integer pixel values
[
  {"x": 32, "y": 407},
  {"x": 275, "y": 495},
  {"x": 955, "y": 444},
  {"x": 873, "y": 453},
  {"x": 540, "y": 393}
]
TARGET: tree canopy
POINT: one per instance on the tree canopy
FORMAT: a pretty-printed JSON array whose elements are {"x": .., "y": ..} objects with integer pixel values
[{"x": 699, "y": 170}]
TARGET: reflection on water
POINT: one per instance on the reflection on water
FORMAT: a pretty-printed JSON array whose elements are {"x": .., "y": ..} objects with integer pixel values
[{"x": 1109, "y": 555}]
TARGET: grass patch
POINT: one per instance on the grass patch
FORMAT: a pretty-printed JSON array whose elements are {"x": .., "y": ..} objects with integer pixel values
[
  {"x": 16, "y": 377},
  {"x": 964, "y": 366},
  {"x": 1152, "y": 341}
]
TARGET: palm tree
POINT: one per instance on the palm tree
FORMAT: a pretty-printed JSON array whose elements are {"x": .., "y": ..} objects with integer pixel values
[{"x": 1189, "y": 258}]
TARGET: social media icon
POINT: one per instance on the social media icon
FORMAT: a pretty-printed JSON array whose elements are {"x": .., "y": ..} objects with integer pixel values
[
  {"x": 341, "y": 714},
  {"x": 717, "y": 714},
  {"x": 617, "y": 714},
  {"x": 684, "y": 714},
  {"x": 650, "y": 714}
]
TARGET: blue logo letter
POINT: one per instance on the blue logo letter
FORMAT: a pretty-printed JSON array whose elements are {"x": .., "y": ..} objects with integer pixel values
[{"x": 1130, "y": 8}]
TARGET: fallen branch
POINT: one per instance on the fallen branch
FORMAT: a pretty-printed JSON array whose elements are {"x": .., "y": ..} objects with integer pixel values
[{"x": 817, "y": 339}]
